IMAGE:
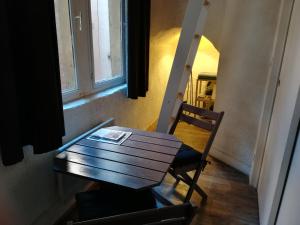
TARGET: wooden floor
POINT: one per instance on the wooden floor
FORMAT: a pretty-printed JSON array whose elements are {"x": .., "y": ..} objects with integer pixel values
[{"x": 231, "y": 201}]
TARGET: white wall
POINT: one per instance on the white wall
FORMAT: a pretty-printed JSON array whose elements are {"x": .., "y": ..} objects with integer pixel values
[
  {"x": 214, "y": 22},
  {"x": 281, "y": 119},
  {"x": 289, "y": 210},
  {"x": 245, "y": 46},
  {"x": 29, "y": 189}
]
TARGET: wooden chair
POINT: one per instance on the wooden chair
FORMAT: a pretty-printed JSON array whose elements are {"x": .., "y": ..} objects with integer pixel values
[
  {"x": 171, "y": 215},
  {"x": 188, "y": 159}
]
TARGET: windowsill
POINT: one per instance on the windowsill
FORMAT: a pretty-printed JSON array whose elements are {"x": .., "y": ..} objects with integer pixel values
[{"x": 87, "y": 99}]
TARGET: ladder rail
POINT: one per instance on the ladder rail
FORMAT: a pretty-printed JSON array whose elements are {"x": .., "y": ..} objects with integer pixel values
[{"x": 192, "y": 30}]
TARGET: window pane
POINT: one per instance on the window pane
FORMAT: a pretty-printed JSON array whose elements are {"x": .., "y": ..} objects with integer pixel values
[
  {"x": 65, "y": 46},
  {"x": 106, "y": 34}
]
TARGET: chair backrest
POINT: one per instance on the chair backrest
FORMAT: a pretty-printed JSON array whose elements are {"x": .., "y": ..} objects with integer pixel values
[
  {"x": 202, "y": 118},
  {"x": 171, "y": 215}
]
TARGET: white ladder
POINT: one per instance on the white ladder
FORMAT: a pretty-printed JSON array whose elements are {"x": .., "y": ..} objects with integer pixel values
[{"x": 192, "y": 29}]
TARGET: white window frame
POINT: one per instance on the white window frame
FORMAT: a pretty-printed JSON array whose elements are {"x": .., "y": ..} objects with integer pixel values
[{"x": 80, "y": 19}]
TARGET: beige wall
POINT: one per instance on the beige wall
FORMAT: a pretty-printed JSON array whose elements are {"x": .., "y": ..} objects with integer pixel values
[
  {"x": 214, "y": 23},
  {"x": 246, "y": 45}
]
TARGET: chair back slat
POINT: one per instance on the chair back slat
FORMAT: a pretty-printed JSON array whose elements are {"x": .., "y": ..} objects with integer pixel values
[
  {"x": 199, "y": 123},
  {"x": 200, "y": 112},
  {"x": 180, "y": 214},
  {"x": 212, "y": 125}
]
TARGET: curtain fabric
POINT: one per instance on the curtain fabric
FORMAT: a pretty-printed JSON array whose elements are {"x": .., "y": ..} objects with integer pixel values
[
  {"x": 138, "y": 33},
  {"x": 30, "y": 91}
]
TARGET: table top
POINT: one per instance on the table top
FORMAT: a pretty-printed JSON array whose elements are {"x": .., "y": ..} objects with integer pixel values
[{"x": 141, "y": 161}]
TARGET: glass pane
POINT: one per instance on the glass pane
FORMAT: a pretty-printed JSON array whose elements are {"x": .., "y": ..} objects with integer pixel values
[
  {"x": 106, "y": 34},
  {"x": 65, "y": 46}
]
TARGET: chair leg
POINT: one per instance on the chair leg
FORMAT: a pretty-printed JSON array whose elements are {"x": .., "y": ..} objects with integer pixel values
[
  {"x": 174, "y": 175},
  {"x": 201, "y": 192},
  {"x": 176, "y": 182},
  {"x": 196, "y": 187},
  {"x": 189, "y": 194},
  {"x": 193, "y": 184}
]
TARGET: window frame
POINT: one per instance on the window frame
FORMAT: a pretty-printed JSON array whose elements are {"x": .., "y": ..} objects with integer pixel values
[{"x": 81, "y": 29}]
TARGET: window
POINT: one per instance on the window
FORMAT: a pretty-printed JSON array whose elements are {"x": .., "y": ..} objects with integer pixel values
[
  {"x": 90, "y": 42},
  {"x": 65, "y": 47}
]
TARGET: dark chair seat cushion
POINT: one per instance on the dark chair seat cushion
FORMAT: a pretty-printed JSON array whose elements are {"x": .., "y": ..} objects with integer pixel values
[
  {"x": 186, "y": 156},
  {"x": 114, "y": 201}
]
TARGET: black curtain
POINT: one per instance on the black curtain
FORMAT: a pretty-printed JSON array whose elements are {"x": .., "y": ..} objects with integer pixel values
[
  {"x": 138, "y": 33},
  {"x": 30, "y": 91}
]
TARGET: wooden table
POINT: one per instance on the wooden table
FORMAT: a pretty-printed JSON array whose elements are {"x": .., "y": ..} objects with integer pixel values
[{"x": 140, "y": 162}]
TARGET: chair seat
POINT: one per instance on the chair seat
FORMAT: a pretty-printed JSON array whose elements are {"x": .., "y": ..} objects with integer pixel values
[
  {"x": 186, "y": 156},
  {"x": 109, "y": 202}
]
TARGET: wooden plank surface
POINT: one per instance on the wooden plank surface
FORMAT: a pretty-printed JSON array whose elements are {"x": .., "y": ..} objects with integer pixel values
[
  {"x": 127, "y": 150},
  {"x": 117, "y": 167},
  {"x": 150, "y": 147},
  {"x": 156, "y": 141},
  {"x": 146, "y": 133},
  {"x": 113, "y": 156},
  {"x": 102, "y": 175}
]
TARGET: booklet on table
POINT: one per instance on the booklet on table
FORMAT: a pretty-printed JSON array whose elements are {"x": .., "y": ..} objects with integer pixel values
[{"x": 109, "y": 136}]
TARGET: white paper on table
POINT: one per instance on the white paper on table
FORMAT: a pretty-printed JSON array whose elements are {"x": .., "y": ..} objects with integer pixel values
[{"x": 109, "y": 136}]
